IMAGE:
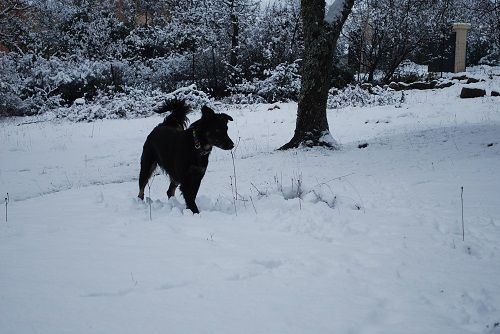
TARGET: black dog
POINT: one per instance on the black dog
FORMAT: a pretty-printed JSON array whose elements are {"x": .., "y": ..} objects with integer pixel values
[{"x": 183, "y": 153}]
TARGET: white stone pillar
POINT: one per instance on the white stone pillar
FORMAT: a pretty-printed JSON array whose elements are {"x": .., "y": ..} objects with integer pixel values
[{"x": 460, "y": 45}]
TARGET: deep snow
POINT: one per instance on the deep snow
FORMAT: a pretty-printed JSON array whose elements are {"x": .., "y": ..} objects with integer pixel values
[{"x": 373, "y": 244}]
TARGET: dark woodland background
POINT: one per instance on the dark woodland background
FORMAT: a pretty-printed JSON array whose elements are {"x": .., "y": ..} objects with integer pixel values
[{"x": 56, "y": 52}]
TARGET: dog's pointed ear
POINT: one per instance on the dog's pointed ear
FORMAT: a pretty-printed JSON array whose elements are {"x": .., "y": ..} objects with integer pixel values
[
  {"x": 226, "y": 117},
  {"x": 207, "y": 112}
]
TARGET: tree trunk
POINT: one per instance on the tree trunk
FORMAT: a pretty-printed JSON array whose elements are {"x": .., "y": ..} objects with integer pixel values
[{"x": 320, "y": 39}]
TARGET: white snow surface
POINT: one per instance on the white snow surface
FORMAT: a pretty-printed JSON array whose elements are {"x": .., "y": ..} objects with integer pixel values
[{"x": 353, "y": 241}]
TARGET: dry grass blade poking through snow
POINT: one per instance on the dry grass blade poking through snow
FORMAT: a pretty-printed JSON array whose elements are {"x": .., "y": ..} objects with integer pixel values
[
  {"x": 6, "y": 207},
  {"x": 148, "y": 199},
  {"x": 462, "y": 200},
  {"x": 235, "y": 193}
]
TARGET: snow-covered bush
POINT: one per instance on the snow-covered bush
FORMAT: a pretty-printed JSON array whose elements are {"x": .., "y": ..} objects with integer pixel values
[
  {"x": 191, "y": 95},
  {"x": 38, "y": 84},
  {"x": 165, "y": 74},
  {"x": 11, "y": 103},
  {"x": 241, "y": 98},
  {"x": 281, "y": 84},
  {"x": 34, "y": 85},
  {"x": 130, "y": 103},
  {"x": 28, "y": 83},
  {"x": 409, "y": 72},
  {"x": 147, "y": 43},
  {"x": 356, "y": 96},
  {"x": 492, "y": 57}
]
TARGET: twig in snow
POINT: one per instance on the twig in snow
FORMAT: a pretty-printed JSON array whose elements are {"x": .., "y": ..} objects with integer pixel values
[
  {"x": 70, "y": 185},
  {"x": 236, "y": 146},
  {"x": 148, "y": 199},
  {"x": 279, "y": 184},
  {"x": 6, "y": 207},
  {"x": 31, "y": 122},
  {"x": 299, "y": 190},
  {"x": 462, "y": 200},
  {"x": 335, "y": 178},
  {"x": 234, "y": 196},
  {"x": 133, "y": 279},
  {"x": 254, "y": 209},
  {"x": 261, "y": 193},
  {"x": 234, "y": 174},
  {"x": 358, "y": 207}
]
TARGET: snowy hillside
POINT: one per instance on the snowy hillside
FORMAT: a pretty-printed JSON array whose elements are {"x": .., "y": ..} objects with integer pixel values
[{"x": 361, "y": 240}]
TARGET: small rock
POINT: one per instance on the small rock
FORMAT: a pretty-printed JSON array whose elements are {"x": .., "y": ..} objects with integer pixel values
[
  {"x": 420, "y": 85},
  {"x": 462, "y": 77},
  {"x": 395, "y": 86},
  {"x": 444, "y": 85},
  {"x": 365, "y": 145},
  {"x": 468, "y": 93},
  {"x": 472, "y": 80},
  {"x": 80, "y": 101},
  {"x": 366, "y": 86}
]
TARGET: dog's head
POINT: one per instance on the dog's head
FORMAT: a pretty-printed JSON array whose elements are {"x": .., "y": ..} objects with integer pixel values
[{"x": 215, "y": 128}]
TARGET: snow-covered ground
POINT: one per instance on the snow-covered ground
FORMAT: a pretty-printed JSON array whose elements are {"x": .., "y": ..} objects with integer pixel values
[{"x": 353, "y": 241}]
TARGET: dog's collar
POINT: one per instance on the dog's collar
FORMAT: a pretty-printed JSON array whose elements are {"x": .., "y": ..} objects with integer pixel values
[{"x": 197, "y": 145}]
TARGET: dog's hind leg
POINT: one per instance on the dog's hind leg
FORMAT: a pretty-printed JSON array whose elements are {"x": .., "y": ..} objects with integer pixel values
[{"x": 148, "y": 166}]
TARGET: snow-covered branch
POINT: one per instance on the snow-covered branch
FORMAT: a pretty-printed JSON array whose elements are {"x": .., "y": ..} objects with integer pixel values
[
  {"x": 13, "y": 6},
  {"x": 334, "y": 13}
]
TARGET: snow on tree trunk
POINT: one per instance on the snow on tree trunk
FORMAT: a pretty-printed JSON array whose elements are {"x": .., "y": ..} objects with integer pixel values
[{"x": 320, "y": 37}]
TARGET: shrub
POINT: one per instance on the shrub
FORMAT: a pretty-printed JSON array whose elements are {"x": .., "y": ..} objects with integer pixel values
[
  {"x": 355, "y": 96},
  {"x": 281, "y": 84}
]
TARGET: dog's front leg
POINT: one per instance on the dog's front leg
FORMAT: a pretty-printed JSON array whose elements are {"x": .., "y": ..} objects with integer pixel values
[
  {"x": 171, "y": 189},
  {"x": 190, "y": 189},
  {"x": 190, "y": 201}
]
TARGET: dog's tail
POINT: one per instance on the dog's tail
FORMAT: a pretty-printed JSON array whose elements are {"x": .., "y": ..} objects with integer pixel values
[{"x": 178, "y": 111}]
